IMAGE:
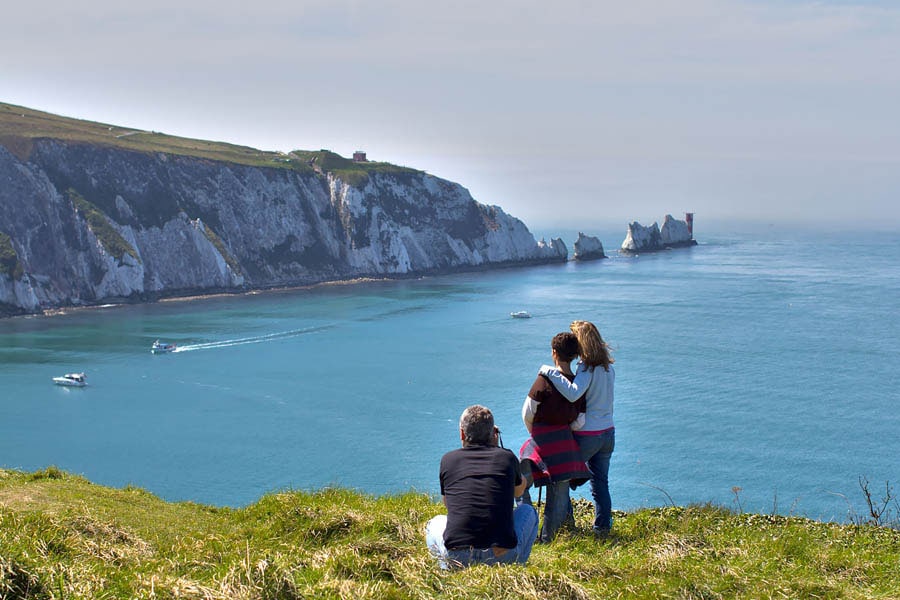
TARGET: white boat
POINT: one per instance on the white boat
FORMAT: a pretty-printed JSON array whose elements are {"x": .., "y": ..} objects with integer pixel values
[
  {"x": 159, "y": 347},
  {"x": 520, "y": 314},
  {"x": 71, "y": 379}
]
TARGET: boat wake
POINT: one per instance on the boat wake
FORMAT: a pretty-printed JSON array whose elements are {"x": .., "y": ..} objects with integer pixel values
[{"x": 257, "y": 339}]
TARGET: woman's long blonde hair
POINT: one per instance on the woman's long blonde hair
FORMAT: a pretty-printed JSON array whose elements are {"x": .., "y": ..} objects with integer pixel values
[{"x": 594, "y": 351}]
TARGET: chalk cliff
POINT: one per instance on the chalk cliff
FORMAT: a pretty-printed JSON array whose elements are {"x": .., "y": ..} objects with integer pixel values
[
  {"x": 588, "y": 248},
  {"x": 85, "y": 223},
  {"x": 674, "y": 234}
]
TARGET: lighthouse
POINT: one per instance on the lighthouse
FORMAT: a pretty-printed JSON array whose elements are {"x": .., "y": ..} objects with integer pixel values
[{"x": 689, "y": 219}]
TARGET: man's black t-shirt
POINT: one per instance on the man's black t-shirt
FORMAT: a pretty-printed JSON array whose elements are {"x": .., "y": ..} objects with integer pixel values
[{"x": 477, "y": 484}]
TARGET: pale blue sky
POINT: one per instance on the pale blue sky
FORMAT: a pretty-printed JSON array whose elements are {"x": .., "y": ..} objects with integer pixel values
[{"x": 576, "y": 114}]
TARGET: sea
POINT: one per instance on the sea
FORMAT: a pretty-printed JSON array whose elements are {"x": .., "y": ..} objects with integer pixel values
[{"x": 758, "y": 370}]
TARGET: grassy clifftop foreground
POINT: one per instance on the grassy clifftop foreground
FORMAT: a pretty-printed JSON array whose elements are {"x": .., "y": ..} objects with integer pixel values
[{"x": 64, "y": 537}]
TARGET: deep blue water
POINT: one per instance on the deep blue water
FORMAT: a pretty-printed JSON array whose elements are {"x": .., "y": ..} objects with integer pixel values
[{"x": 766, "y": 361}]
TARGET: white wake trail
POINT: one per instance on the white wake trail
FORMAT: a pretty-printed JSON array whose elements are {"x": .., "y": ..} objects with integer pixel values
[{"x": 257, "y": 339}]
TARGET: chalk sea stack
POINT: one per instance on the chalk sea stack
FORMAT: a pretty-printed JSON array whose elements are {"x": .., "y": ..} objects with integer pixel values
[
  {"x": 587, "y": 247},
  {"x": 674, "y": 234}
]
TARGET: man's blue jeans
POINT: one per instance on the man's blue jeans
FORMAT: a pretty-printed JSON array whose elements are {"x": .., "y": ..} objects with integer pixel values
[
  {"x": 525, "y": 523},
  {"x": 596, "y": 451}
]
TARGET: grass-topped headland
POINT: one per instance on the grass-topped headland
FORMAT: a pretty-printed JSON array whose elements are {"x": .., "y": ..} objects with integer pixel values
[
  {"x": 21, "y": 126},
  {"x": 356, "y": 173},
  {"x": 63, "y": 537}
]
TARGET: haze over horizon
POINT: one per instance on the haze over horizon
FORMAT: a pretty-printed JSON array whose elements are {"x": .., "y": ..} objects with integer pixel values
[{"x": 565, "y": 114}]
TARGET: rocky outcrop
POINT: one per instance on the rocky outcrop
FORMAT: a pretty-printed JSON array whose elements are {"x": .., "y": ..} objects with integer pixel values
[
  {"x": 588, "y": 248},
  {"x": 84, "y": 223},
  {"x": 674, "y": 234},
  {"x": 641, "y": 239}
]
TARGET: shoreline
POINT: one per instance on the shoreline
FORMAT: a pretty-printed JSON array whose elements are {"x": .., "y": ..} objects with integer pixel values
[{"x": 195, "y": 295}]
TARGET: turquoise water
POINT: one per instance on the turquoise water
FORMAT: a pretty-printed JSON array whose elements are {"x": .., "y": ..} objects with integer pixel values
[{"x": 766, "y": 361}]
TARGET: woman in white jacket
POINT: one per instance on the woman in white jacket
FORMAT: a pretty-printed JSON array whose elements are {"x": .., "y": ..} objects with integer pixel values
[{"x": 594, "y": 379}]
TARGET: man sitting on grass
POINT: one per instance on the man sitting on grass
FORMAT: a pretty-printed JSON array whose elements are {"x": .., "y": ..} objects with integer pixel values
[{"x": 479, "y": 484}]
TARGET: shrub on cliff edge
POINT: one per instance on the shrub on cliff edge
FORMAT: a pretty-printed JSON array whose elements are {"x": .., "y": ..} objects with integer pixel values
[
  {"x": 111, "y": 239},
  {"x": 9, "y": 260}
]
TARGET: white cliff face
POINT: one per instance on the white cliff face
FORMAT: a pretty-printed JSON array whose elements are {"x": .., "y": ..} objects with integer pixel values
[
  {"x": 674, "y": 231},
  {"x": 19, "y": 293},
  {"x": 674, "y": 234},
  {"x": 426, "y": 224},
  {"x": 194, "y": 225},
  {"x": 553, "y": 250},
  {"x": 178, "y": 255},
  {"x": 640, "y": 238},
  {"x": 588, "y": 248}
]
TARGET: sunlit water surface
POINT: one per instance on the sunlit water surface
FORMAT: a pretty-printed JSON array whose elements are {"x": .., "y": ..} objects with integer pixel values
[{"x": 767, "y": 362}]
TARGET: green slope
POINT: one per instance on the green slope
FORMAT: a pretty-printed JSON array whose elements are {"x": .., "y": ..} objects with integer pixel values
[
  {"x": 20, "y": 126},
  {"x": 63, "y": 537}
]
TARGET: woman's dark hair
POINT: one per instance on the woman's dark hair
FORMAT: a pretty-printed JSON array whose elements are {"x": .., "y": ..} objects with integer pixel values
[{"x": 566, "y": 346}]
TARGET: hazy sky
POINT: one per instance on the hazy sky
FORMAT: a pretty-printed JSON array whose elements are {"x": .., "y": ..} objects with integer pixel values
[{"x": 564, "y": 113}]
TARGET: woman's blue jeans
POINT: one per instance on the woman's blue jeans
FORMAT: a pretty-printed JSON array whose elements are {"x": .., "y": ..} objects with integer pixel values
[{"x": 596, "y": 451}]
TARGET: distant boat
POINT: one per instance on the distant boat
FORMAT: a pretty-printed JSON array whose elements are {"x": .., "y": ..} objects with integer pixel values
[
  {"x": 71, "y": 380},
  {"x": 159, "y": 347},
  {"x": 520, "y": 314}
]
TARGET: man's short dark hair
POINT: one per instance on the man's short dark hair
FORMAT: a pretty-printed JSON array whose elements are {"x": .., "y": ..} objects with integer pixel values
[
  {"x": 477, "y": 424},
  {"x": 566, "y": 346}
]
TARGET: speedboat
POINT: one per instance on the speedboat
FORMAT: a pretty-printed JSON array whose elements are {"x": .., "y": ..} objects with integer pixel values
[
  {"x": 159, "y": 347},
  {"x": 71, "y": 379},
  {"x": 520, "y": 314}
]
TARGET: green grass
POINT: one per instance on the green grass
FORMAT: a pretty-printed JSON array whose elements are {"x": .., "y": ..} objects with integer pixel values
[
  {"x": 112, "y": 241},
  {"x": 20, "y": 126},
  {"x": 216, "y": 241},
  {"x": 9, "y": 260},
  {"x": 354, "y": 173},
  {"x": 64, "y": 537}
]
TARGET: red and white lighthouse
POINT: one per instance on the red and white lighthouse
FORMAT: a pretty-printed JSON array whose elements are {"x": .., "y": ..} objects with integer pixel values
[{"x": 689, "y": 219}]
